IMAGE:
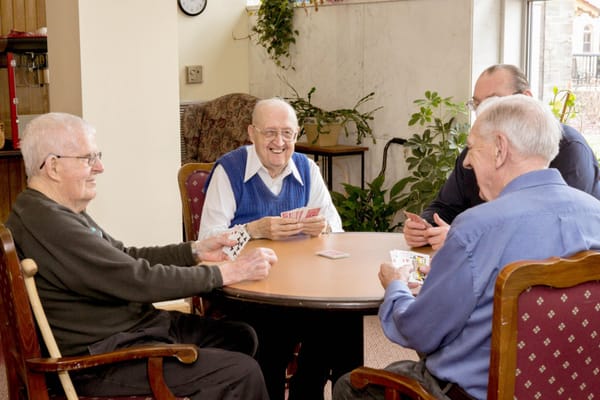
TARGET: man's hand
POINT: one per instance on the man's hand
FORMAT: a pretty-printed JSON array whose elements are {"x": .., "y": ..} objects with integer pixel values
[
  {"x": 313, "y": 226},
  {"x": 252, "y": 265},
  {"x": 415, "y": 230},
  {"x": 436, "y": 236},
  {"x": 389, "y": 273},
  {"x": 211, "y": 248},
  {"x": 274, "y": 228}
]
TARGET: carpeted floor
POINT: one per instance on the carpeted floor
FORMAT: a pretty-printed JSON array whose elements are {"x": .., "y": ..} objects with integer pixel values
[{"x": 379, "y": 352}]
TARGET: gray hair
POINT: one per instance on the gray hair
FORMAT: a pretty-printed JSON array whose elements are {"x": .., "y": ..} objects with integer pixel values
[
  {"x": 528, "y": 124},
  {"x": 272, "y": 102},
  {"x": 52, "y": 133}
]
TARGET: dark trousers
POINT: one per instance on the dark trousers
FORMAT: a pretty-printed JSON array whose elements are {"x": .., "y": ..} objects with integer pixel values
[
  {"x": 225, "y": 368},
  {"x": 331, "y": 345}
]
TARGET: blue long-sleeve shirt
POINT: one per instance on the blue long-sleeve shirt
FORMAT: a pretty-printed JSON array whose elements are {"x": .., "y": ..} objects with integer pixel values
[
  {"x": 536, "y": 216},
  {"x": 575, "y": 161}
]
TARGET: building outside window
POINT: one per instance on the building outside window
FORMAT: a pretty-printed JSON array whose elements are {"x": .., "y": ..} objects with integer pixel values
[{"x": 563, "y": 52}]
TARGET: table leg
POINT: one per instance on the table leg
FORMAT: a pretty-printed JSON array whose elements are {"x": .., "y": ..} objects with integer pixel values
[
  {"x": 329, "y": 172},
  {"x": 362, "y": 170}
]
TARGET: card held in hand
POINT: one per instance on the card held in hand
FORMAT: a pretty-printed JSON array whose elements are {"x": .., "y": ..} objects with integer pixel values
[
  {"x": 240, "y": 234},
  {"x": 412, "y": 258}
]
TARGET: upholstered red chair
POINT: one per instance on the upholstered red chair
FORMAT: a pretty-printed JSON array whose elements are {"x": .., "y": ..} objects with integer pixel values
[
  {"x": 212, "y": 128},
  {"x": 26, "y": 369},
  {"x": 545, "y": 334},
  {"x": 191, "y": 179}
]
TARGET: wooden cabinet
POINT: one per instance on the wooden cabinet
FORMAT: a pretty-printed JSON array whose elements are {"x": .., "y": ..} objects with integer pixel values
[{"x": 12, "y": 180}]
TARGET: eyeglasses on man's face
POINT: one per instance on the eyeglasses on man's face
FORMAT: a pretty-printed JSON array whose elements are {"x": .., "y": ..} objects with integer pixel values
[
  {"x": 287, "y": 135},
  {"x": 91, "y": 158},
  {"x": 472, "y": 103}
]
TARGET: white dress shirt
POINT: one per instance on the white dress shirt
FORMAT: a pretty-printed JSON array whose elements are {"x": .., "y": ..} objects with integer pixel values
[{"x": 220, "y": 206}]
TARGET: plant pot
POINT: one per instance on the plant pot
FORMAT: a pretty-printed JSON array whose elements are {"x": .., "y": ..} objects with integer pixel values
[{"x": 327, "y": 137}]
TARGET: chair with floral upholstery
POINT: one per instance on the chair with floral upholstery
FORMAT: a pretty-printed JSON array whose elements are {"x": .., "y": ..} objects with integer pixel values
[
  {"x": 545, "y": 334},
  {"x": 212, "y": 128}
]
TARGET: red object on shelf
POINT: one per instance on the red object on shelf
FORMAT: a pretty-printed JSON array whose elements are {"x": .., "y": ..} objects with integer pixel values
[{"x": 12, "y": 94}]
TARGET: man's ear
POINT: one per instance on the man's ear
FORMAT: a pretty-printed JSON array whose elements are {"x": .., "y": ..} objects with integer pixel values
[
  {"x": 51, "y": 168},
  {"x": 502, "y": 148},
  {"x": 251, "y": 133}
]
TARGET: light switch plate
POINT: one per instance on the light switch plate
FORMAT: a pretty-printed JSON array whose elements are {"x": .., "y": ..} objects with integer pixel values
[{"x": 193, "y": 73}]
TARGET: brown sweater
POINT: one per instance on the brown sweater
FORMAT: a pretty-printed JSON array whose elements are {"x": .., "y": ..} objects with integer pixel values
[{"x": 91, "y": 285}]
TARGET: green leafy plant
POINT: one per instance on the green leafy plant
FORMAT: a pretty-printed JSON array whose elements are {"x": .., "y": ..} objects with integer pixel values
[
  {"x": 275, "y": 30},
  {"x": 368, "y": 210},
  {"x": 308, "y": 112},
  {"x": 374, "y": 208},
  {"x": 433, "y": 152},
  {"x": 563, "y": 104}
]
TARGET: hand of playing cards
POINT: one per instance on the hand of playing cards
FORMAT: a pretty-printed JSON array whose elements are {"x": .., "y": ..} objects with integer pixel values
[
  {"x": 413, "y": 259},
  {"x": 240, "y": 234},
  {"x": 301, "y": 213}
]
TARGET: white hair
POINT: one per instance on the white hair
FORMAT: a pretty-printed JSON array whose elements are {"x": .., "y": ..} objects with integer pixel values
[
  {"x": 528, "y": 124},
  {"x": 273, "y": 102},
  {"x": 52, "y": 133}
]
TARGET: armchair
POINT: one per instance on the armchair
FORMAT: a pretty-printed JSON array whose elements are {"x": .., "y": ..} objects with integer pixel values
[
  {"x": 26, "y": 368},
  {"x": 545, "y": 329},
  {"x": 212, "y": 128}
]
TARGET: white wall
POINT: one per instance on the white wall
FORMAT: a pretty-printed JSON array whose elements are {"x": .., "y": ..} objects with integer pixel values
[
  {"x": 217, "y": 39},
  {"x": 120, "y": 73},
  {"x": 399, "y": 49}
]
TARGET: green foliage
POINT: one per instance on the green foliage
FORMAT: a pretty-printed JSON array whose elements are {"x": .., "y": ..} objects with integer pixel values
[
  {"x": 563, "y": 104},
  {"x": 308, "y": 112},
  {"x": 433, "y": 152},
  {"x": 368, "y": 210},
  {"x": 275, "y": 29}
]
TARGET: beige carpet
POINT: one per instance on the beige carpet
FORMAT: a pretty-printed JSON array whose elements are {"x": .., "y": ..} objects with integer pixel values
[{"x": 379, "y": 352}]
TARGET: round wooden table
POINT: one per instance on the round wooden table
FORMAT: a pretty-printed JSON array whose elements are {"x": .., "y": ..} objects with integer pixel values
[{"x": 301, "y": 278}]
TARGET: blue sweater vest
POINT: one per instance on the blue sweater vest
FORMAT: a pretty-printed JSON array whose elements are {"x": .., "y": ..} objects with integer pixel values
[{"x": 253, "y": 198}]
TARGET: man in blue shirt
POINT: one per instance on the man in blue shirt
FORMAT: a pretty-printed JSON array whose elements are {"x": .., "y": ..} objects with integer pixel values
[
  {"x": 575, "y": 161},
  {"x": 530, "y": 213}
]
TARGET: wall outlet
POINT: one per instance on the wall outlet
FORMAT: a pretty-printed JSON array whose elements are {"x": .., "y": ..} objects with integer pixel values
[{"x": 193, "y": 73}]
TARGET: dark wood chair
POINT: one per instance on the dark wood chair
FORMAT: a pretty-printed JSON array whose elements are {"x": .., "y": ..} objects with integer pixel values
[
  {"x": 26, "y": 368},
  {"x": 545, "y": 334}
]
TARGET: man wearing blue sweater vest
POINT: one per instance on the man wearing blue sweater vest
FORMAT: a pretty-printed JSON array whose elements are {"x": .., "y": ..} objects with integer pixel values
[{"x": 251, "y": 186}]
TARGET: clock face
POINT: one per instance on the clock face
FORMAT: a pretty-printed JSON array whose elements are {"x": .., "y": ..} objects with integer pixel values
[{"x": 192, "y": 7}]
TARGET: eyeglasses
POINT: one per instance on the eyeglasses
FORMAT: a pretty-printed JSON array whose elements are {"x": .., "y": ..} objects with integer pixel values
[
  {"x": 91, "y": 158},
  {"x": 472, "y": 104},
  {"x": 287, "y": 135}
]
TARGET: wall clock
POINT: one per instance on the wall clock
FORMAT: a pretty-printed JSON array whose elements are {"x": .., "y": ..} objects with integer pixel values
[{"x": 192, "y": 7}]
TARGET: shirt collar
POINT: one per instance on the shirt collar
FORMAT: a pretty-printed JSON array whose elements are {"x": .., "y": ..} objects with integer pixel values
[{"x": 253, "y": 165}]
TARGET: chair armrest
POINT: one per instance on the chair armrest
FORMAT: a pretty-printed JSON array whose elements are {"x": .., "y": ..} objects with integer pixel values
[
  {"x": 185, "y": 353},
  {"x": 394, "y": 384}
]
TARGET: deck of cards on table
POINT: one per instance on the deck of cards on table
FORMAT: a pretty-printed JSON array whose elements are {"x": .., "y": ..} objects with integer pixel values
[
  {"x": 412, "y": 258},
  {"x": 301, "y": 213},
  {"x": 240, "y": 234}
]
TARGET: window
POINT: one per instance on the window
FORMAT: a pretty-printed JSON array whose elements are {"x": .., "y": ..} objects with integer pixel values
[{"x": 561, "y": 37}]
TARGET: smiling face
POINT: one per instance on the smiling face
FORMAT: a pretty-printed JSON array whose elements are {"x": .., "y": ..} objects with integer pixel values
[
  {"x": 273, "y": 152},
  {"x": 75, "y": 177}
]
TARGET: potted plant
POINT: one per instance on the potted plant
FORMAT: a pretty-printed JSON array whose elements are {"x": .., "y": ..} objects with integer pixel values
[
  {"x": 275, "y": 30},
  {"x": 434, "y": 150},
  {"x": 322, "y": 125}
]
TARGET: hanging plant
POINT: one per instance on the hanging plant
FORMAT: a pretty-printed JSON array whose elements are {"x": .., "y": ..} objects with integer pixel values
[{"x": 275, "y": 30}]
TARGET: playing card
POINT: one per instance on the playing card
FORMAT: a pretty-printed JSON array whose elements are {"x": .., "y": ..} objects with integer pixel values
[
  {"x": 412, "y": 258},
  {"x": 311, "y": 212},
  {"x": 242, "y": 237},
  {"x": 334, "y": 254}
]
